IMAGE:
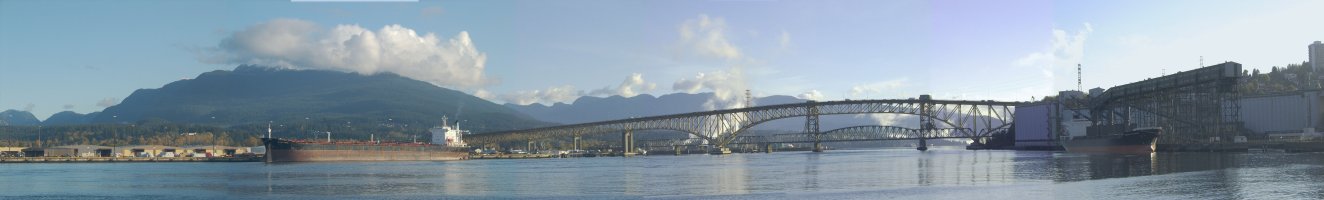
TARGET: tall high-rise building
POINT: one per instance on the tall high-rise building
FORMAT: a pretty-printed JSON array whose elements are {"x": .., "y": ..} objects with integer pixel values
[{"x": 1317, "y": 57}]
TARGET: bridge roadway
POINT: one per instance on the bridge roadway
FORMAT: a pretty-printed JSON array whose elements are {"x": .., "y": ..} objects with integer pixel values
[
  {"x": 965, "y": 119},
  {"x": 846, "y": 134}
]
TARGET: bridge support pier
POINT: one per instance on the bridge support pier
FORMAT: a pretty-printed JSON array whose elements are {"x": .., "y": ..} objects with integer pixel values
[
  {"x": 676, "y": 148},
  {"x": 577, "y": 141},
  {"x": 925, "y": 121},
  {"x": 811, "y": 126},
  {"x": 768, "y": 148},
  {"x": 627, "y": 143}
]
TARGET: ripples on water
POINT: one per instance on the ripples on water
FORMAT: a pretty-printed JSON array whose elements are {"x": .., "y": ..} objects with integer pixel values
[{"x": 838, "y": 174}]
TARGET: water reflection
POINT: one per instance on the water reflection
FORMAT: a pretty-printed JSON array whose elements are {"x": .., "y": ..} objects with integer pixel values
[
  {"x": 1045, "y": 174},
  {"x": 811, "y": 171}
]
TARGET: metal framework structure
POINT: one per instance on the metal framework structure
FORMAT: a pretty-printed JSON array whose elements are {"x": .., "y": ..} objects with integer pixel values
[
  {"x": 969, "y": 119},
  {"x": 1193, "y": 107},
  {"x": 846, "y": 134}
]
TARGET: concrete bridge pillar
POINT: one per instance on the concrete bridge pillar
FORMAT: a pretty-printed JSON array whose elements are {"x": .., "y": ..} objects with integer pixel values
[
  {"x": 768, "y": 148},
  {"x": 577, "y": 141},
  {"x": 676, "y": 148},
  {"x": 627, "y": 143}
]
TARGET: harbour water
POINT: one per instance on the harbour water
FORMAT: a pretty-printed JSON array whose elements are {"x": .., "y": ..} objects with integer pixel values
[{"x": 836, "y": 174}]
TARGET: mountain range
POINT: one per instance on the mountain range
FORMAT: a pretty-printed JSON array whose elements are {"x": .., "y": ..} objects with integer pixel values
[
  {"x": 17, "y": 118},
  {"x": 250, "y": 95}
]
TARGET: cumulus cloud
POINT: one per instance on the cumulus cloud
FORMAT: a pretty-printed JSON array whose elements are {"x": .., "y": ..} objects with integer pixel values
[
  {"x": 707, "y": 36},
  {"x": 1066, "y": 50},
  {"x": 565, "y": 93},
  {"x": 299, "y": 44},
  {"x": 811, "y": 95},
  {"x": 865, "y": 90},
  {"x": 632, "y": 86},
  {"x": 29, "y": 107},
  {"x": 108, "y": 102},
  {"x": 727, "y": 87}
]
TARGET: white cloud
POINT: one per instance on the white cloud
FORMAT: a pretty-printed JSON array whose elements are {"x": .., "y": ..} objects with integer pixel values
[
  {"x": 908, "y": 121},
  {"x": 727, "y": 87},
  {"x": 29, "y": 107},
  {"x": 1065, "y": 51},
  {"x": 632, "y": 86},
  {"x": 565, "y": 93},
  {"x": 708, "y": 37},
  {"x": 878, "y": 88},
  {"x": 298, "y": 44},
  {"x": 811, "y": 95},
  {"x": 484, "y": 94},
  {"x": 108, "y": 102}
]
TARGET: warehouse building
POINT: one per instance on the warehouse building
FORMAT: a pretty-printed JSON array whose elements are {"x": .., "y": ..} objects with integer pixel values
[
  {"x": 1286, "y": 114},
  {"x": 214, "y": 151},
  {"x": 79, "y": 151},
  {"x": 148, "y": 151}
]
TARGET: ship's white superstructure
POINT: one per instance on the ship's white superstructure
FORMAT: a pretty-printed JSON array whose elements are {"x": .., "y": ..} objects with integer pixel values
[{"x": 448, "y": 136}]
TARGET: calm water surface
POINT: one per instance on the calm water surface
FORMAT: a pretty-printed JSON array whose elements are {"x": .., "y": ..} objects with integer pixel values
[{"x": 837, "y": 174}]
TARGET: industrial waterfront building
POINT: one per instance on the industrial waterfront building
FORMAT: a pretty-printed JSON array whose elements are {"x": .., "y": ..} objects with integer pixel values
[
  {"x": 1317, "y": 57},
  {"x": 148, "y": 151},
  {"x": 1195, "y": 106},
  {"x": 79, "y": 151}
]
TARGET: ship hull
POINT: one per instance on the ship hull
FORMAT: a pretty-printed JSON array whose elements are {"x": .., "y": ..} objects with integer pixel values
[
  {"x": 287, "y": 151},
  {"x": 1140, "y": 141}
]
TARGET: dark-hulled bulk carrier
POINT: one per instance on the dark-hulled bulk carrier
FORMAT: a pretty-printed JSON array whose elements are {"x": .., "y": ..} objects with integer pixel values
[
  {"x": 1140, "y": 140},
  {"x": 447, "y": 144}
]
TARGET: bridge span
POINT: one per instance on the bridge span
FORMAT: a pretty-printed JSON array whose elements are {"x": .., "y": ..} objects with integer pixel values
[{"x": 718, "y": 128}]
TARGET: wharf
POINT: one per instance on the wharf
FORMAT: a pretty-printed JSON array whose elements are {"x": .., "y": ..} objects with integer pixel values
[{"x": 129, "y": 159}]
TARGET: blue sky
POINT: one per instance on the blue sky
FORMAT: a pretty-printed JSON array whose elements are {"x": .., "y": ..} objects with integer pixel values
[{"x": 84, "y": 55}]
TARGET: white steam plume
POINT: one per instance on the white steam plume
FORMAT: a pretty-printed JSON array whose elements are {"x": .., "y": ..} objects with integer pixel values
[
  {"x": 728, "y": 88},
  {"x": 299, "y": 44}
]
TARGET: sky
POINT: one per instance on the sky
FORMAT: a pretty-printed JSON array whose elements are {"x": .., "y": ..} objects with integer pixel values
[{"x": 83, "y": 56}]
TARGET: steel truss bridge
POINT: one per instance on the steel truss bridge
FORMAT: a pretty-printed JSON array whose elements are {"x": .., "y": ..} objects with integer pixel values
[
  {"x": 846, "y": 134},
  {"x": 718, "y": 128}
]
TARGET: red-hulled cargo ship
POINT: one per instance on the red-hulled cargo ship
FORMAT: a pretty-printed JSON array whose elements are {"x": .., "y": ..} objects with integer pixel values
[
  {"x": 1139, "y": 140},
  {"x": 447, "y": 144}
]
